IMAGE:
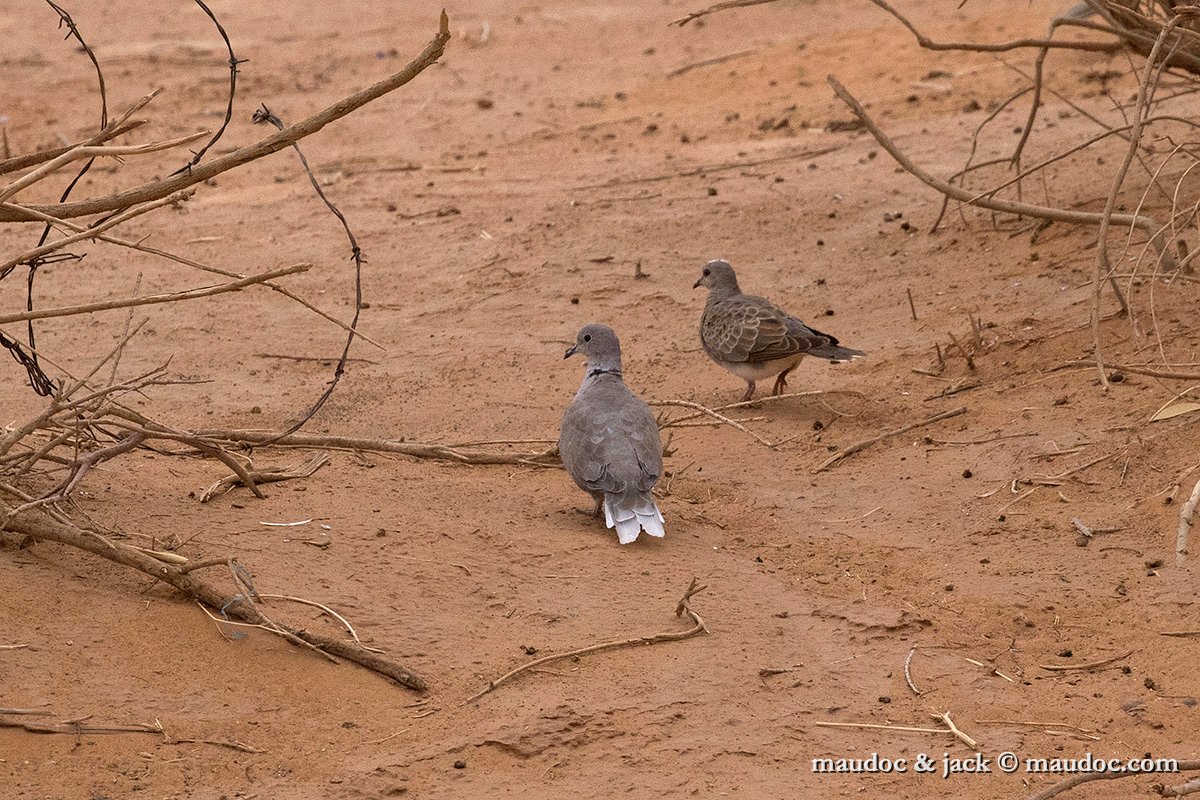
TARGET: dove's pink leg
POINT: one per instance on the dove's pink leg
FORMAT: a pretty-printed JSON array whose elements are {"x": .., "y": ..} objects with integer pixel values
[
  {"x": 599, "y": 503},
  {"x": 749, "y": 391},
  {"x": 781, "y": 381}
]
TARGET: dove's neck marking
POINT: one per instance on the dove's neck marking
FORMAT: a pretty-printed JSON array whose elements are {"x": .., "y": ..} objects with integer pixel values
[{"x": 603, "y": 371}]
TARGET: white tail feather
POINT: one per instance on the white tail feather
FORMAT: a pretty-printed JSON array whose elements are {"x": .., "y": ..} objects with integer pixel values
[{"x": 629, "y": 523}]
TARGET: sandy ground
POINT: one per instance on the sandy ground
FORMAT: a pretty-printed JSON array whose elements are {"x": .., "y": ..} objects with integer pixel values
[{"x": 503, "y": 199}]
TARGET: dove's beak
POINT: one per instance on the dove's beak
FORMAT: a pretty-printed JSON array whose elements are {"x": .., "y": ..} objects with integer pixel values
[
  {"x": 696, "y": 285},
  {"x": 570, "y": 351}
]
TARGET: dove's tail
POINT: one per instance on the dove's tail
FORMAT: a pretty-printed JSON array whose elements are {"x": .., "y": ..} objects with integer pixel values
[
  {"x": 837, "y": 353},
  {"x": 630, "y": 521}
]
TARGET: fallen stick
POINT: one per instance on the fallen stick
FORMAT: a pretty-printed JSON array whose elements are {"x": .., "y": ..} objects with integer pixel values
[
  {"x": 908, "y": 675},
  {"x": 266, "y": 475},
  {"x": 414, "y": 449},
  {"x": 1179, "y": 790},
  {"x": 951, "y": 728},
  {"x": 718, "y": 7},
  {"x": 76, "y": 727},
  {"x": 1089, "y": 665},
  {"x": 681, "y": 608},
  {"x": 1087, "y": 777},
  {"x": 704, "y": 410},
  {"x": 863, "y": 445},
  {"x": 1185, "y": 524},
  {"x": 234, "y": 607}
]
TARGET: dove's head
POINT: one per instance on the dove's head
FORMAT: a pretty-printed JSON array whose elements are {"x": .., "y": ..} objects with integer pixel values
[
  {"x": 600, "y": 345},
  {"x": 718, "y": 276}
]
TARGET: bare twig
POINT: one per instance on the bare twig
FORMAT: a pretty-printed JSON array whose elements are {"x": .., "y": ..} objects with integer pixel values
[
  {"x": 154, "y": 299},
  {"x": 908, "y": 674},
  {"x": 863, "y": 445},
  {"x": 709, "y": 412},
  {"x": 1090, "y": 665},
  {"x": 681, "y": 608},
  {"x": 727, "y": 4}
]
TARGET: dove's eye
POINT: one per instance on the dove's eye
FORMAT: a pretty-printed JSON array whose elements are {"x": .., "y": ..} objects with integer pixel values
[
  {"x": 707, "y": 272},
  {"x": 587, "y": 337}
]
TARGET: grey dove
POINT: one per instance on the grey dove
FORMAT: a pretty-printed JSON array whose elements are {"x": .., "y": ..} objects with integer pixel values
[
  {"x": 752, "y": 337},
  {"x": 609, "y": 441}
]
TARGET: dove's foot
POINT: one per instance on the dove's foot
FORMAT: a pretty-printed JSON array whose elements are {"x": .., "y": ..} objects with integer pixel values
[
  {"x": 780, "y": 383},
  {"x": 749, "y": 392}
]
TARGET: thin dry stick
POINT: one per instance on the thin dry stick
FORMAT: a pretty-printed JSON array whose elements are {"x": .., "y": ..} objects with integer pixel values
[
  {"x": 345, "y": 622},
  {"x": 1146, "y": 224},
  {"x": 709, "y": 412},
  {"x": 863, "y": 445},
  {"x": 154, "y": 299},
  {"x": 681, "y": 608},
  {"x": 112, "y": 131},
  {"x": 951, "y": 728},
  {"x": 1088, "y": 777},
  {"x": 271, "y": 144},
  {"x": 414, "y": 449},
  {"x": 728, "y": 4},
  {"x": 958, "y": 734},
  {"x": 144, "y": 248},
  {"x": 80, "y": 153},
  {"x": 707, "y": 62},
  {"x": 744, "y": 403},
  {"x": 908, "y": 674},
  {"x": 1090, "y": 665},
  {"x": 75, "y": 727},
  {"x": 1185, "y": 525},
  {"x": 90, "y": 233}
]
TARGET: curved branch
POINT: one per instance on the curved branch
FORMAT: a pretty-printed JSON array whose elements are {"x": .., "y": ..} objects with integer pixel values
[
  {"x": 243, "y": 155},
  {"x": 1143, "y": 223}
]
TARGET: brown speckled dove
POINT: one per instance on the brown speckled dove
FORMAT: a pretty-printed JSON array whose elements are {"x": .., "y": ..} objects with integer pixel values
[
  {"x": 609, "y": 441},
  {"x": 752, "y": 337}
]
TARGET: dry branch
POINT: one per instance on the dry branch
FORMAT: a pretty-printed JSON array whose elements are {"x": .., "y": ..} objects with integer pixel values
[
  {"x": 681, "y": 608},
  {"x": 1143, "y": 223},
  {"x": 1088, "y": 777},
  {"x": 234, "y": 607},
  {"x": 243, "y": 155},
  {"x": 414, "y": 449}
]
